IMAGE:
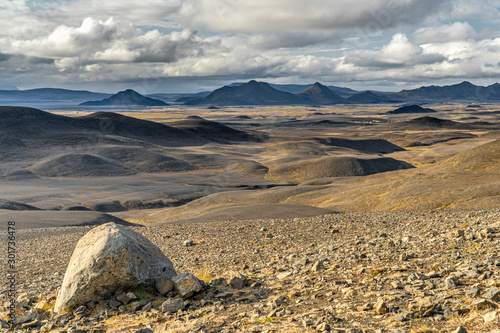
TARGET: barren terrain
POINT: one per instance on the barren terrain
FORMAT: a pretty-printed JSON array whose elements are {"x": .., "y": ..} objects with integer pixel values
[{"x": 378, "y": 199}]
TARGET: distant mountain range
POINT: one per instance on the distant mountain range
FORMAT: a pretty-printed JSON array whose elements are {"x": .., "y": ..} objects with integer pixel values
[
  {"x": 254, "y": 93},
  {"x": 261, "y": 93},
  {"x": 296, "y": 88},
  {"x": 464, "y": 91},
  {"x": 127, "y": 97}
]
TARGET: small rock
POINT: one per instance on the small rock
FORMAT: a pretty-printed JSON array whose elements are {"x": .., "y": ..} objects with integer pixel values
[
  {"x": 30, "y": 324},
  {"x": 481, "y": 304},
  {"x": 284, "y": 275},
  {"x": 381, "y": 307},
  {"x": 126, "y": 298},
  {"x": 323, "y": 327},
  {"x": 472, "y": 292},
  {"x": 218, "y": 282},
  {"x": 186, "y": 284},
  {"x": 490, "y": 317},
  {"x": 172, "y": 305},
  {"x": 114, "y": 303},
  {"x": 134, "y": 306},
  {"x": 24, "y": 317},
  {"x": 366, "y": 307},
  {"x": 318, "y": 266},
  {"x": 80, "y": 311},
  {"x": 164, "y": 285},
  {"x": 42, "y": 307},
  {"x": 188, "y": 243},
  {"x": 397, "y": 285},
  {"x": 237, "y": 282},
  {"x": 449, "y": 284},
  {"x": 460, "y": 329},
  {"x": 493, "y": 294},
  {"x": 422, "y": 307},
  {"x": 303, "y": 262}
]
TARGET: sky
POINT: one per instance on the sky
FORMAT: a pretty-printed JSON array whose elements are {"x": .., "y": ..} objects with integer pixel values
[{"x": 195, "y": 45}]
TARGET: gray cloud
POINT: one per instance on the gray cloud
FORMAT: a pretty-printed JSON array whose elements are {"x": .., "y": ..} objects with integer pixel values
[
  {"x": 91, "y": 42},
  {"x": 4, "y": 57},
  {"x": 297, "y": 15}
]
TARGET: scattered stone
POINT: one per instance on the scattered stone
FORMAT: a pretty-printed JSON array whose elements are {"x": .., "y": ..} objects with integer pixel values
[
  {"x": 422, "y": 307},
  {"x": 109, "y": 257},
  {"x": 284, "y": 275},
  {"x": 318, "y": 266},
  {"x": 81, "y": 311},
  {"x": 237, "y": 283},
  {"x": 323, "y": 327},
  {"x": 164, "y": 285},
  {"x": 42, "y": 307},
  {"x": 126, "y": 298},
  {"x": 114, "y": 303},
  {"x": 172, "y": 305},
  {"x": 380, "y": 306},
  {"x": 490, "y": 317},
  {"x": 472, "y": 292},
  {"x": 481, "y": 304},
  {"x": 186, "y": 284},
  {"x": 188, "y": 243},
  {"x": 493, "y": 294},
  {"x": 24, "y": 317}
]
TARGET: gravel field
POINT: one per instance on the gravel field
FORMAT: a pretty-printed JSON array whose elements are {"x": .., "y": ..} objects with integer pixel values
[{"x": 406, "y": 271}]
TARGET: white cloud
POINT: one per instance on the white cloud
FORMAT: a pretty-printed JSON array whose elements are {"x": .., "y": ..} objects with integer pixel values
[
  {"x": 400, "y": 51},
  {"x": 110, "y": 41},
  {"x": 445, "y": 33}
]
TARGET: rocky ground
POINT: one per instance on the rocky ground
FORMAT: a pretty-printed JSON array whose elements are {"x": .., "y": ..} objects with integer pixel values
[{"x": 413, "y": 271}]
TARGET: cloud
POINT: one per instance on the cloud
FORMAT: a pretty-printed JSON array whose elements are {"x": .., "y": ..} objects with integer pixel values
[
  {"x": 297, "y": 15},
  {"x": 397, "y": 53},
  {"x": 445, "y": 33},
  {"x": 4, "y": 57},
  {"x": 110, "y": 41}
]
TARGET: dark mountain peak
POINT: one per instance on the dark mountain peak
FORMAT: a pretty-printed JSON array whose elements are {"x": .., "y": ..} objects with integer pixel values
[
  {"x": 250, "y": 93},
  {"x": 318, "y": 93},
  {"x": 126, "y": 97},
  {"x": 129, "y": 91},
  {"x": 466, "y": 84}
]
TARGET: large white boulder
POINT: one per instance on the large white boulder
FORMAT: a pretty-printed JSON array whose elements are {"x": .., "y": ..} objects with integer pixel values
[{"x": 109, "y": 257}]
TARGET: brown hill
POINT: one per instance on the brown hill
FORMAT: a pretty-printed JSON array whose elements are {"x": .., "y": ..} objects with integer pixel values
[{"x": 213, "y": 131}]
